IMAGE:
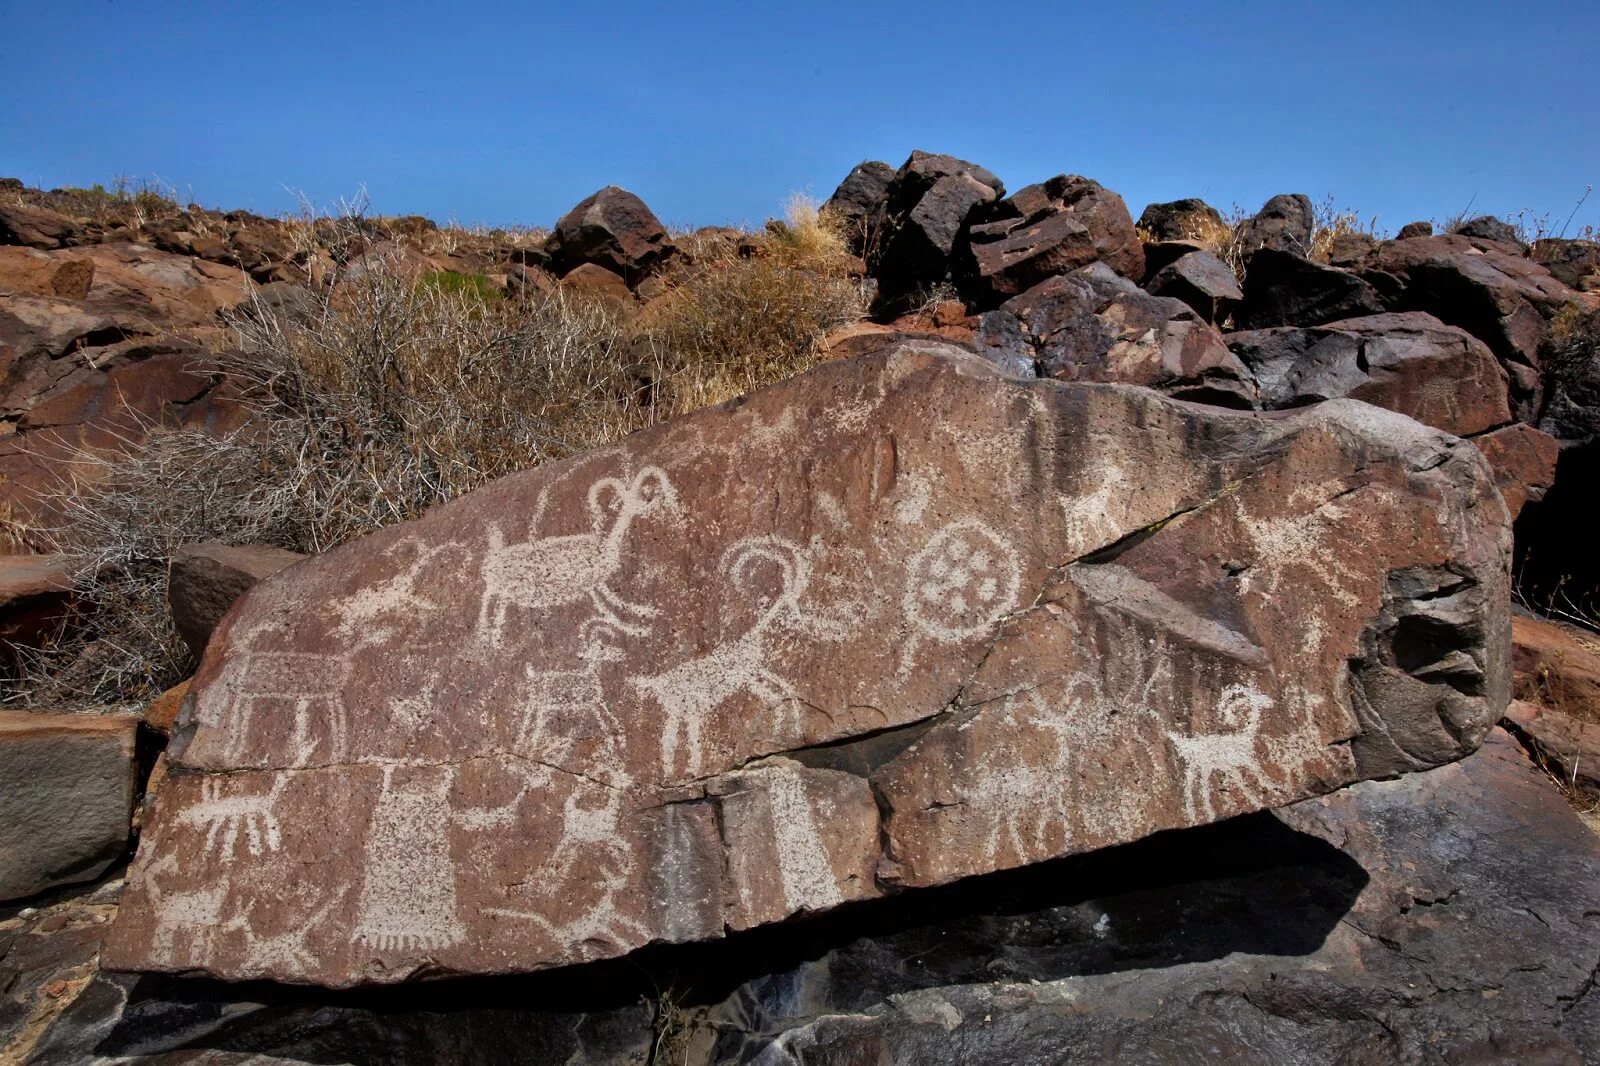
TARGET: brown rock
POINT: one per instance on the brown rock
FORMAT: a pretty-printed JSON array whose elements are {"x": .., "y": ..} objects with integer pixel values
[
  {"x": 1045, "y": 230},
  {"x": 591, "y": 281},
  {"x": 1284, "y": 224},
  {"x": 613, "y": 229},
  {"x": 1411, "y": 363},
  {"x": 35, "y": 595},
  {"x": 1557, "y": 665},
  {"x": 1523, "y": 460},
  {"x": 858, "y": 200},
  {"x": 45, "y": 274},
  {"x": 1285, "y": 289},
  {"x": 924, "y": 212},
  {"x": 36, "y": 227},
  {"x": 854, "y": 632},
  {"x": 206, "y": 579},
  {"x": 66, "y": 794},
  {"x": 1575, "y": 263},
  {"x": 1565, "y": 745},
  {"x": 162, "y": 713},
  {"x": 1180, "y": 220},
  {"x": 1200, "y": 280}
]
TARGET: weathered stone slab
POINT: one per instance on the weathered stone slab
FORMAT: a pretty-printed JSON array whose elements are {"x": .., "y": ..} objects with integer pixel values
[
  {"x": 898, "y": 621},
  {"x": 66, "y": 797}
]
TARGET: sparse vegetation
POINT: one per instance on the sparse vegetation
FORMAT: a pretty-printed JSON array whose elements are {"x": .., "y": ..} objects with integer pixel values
[{"x": 384, "y": 392}]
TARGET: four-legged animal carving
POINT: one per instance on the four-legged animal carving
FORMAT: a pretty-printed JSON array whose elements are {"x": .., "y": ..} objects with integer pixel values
[
  {"x": 1230, "y": 758},
  {"x": 555, "y": 571},
  {"x": 225, "y": 816},
  {"x": 313, "y": 683},
  {"x": 692, "y": 690}
]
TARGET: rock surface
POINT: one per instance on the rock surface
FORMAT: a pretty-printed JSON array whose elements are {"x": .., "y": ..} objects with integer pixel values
[
  {"x": 1285, "y": 289},
  {"x": 611, "y": 228},
  {"x": 35, "y": 594},
  {"x": 924, "y": 211},
  {"x": 1283, "y": 224},
  {"x": 895, "y": 622},
  {"x": 66, "y": 796},
  {"x": 1524, "y": 463},
  {"x": 1446, "y": 917},
  {"x": 1557, "y": 665},
  {"x": 1411, "y": 363},
  {"x": 206, "y": 579},
  {"x": 1180, "y": 220},
  {"x": 1200, "y": 280},
  {"x": 858, "y": 200}
]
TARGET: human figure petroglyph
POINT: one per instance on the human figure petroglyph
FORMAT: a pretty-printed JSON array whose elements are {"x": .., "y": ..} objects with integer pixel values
[
  {"x": 226, "y": 816},
  {"x": 556, "y": 571},
  {"x": 1214, "y": 762},
  {"x": 312, "y": 683},
  {"x": 408, "y": 897},
  {"x": 689, "y": 692}
]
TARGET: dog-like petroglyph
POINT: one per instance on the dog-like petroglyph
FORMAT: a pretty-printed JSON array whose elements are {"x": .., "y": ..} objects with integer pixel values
[
  {"x": 691, "y": 691},
  {"x": 551, "y": 572},
  {"x": 225, "y": 817},
  {"x": 361, "y": 612}
]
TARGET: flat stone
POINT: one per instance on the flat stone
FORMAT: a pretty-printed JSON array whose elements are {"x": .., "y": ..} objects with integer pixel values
[
  {"x": 1557, "y": 665},
  {"x": 66, "y": 796},
  {"x": 895, "y": 622},
  {"x": 206, "y": 579}
]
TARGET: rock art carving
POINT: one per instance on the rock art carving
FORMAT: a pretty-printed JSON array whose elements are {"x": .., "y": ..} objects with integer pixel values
[
  {"x": 714, "y": 687},
  {"x": 689, "y": 692},
  {"x": 555, "y": 571}
]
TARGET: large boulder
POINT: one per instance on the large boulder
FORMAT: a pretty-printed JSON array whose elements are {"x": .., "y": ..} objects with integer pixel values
[
  {"x": 1575, "y": 263},
  {"x": 34, "y": 227},
  {"x": 205, "y": 580},
  {"x": 1092, "y": 325},
  {"x": 1284, "y": 224},
  {"x": 1498, "y": 296},
  {"x": 1202, "y": 281},
  {"x": 1490, "y": 228},
  {"x": 66, "y": 797},
  {"x": 892, "y": 623},
  {"x": 858, "y": 200},
  {"x": 611, "y": 228},
  {"x": 1286, "y": 289},
  {"x": 1045, "y": 230},
  {"x": 923, "y": 213},
  {"x": 1180, "y": 220},
  {"x": 1523, "y": 460},
  {"x": 1411, "y": 363}
]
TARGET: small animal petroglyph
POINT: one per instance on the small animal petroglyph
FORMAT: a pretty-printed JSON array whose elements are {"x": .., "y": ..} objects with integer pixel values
[
  {"x": 556, "y": 571},
  {"x": 225, "y": 817},
  {"x": 689, "y": 692},
  {"x": 360, "y": 612},
  {"x": 563, "y": 708},
  {"x": 1214, "y": 762}
]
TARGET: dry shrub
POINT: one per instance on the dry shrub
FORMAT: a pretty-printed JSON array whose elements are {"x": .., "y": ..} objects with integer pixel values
[
  {"x": 1222, "y": 239},
  {"x": 384, "y": 393},
  {"x": 1329, "y": 222}
]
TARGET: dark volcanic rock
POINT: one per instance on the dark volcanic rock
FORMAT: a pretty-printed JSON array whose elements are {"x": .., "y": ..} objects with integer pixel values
[
  {"x": 854, "y": 634},
  {"x": 611, "y": 228},
  {"x": 206, "y": 579},
  {"x": 915, "y": 231},
  {"x": 1411, "y": 363},
  {"x": 1045, "y": 230},
  {"x": 1285, "y": 289},
  {"x": 1092, "y": 325},
  {"x": 1283, "y": 224},
  {"x": 1524, "y": 463},
  {"x": 1575, "y": 263},
  {"x": 1442, "y": 918},
  {"x": 1180, "y": 220},
  {"x": 1202, "y": 281},
  {"x": 34, "y": 227},
  {"x": 1490, "y": 228},
  {"x": 1414, "y": 229},
  {"x": 858, "y": 200}
]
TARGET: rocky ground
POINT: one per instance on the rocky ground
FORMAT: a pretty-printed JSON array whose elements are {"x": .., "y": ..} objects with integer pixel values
[{"x": 1447, "y": 915}]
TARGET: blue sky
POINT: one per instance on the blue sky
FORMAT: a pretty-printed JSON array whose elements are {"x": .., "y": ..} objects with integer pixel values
[{"x": 510, "y": 113}]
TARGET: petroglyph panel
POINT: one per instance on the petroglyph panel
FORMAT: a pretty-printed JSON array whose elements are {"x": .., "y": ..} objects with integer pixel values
[{"x": 898, "y": 621}]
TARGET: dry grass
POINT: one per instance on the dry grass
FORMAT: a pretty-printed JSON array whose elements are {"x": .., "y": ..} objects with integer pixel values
[{"x": 383, "y": 393}]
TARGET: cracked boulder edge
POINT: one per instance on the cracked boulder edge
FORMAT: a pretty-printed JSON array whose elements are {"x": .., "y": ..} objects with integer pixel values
[{"x": 895, "y": 622}]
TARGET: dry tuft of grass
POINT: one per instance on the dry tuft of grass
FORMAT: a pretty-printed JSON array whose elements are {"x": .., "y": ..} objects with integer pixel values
[{"x": 382, "y": 393}]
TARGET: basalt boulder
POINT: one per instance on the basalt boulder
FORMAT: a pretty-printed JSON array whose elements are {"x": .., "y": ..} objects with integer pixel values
[
  {"x": 1045, "y": 230},
  {"x": 1283, "y": 224},
  {"x": 1575, "y": 263},
  {"x": 613, "y": 229},
  {"x": 1411, "y": 363},
  {"x": 1200, "y": 280},
  {"x": 1092, "y": 325},
  {"x": 895, "y": 622},
  {"x": 858, "y": 199},
  {"x": 1180, "y": 220},
  {"x": 1286, "y": 289},
  {"x": 924, "y": 211}
]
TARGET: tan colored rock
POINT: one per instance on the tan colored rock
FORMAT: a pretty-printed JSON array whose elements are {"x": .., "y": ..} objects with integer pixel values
[
  {"x": 66, "y": 795},
  {"x": 897, "y": 621},
  {"x": 1566, "y": 745},
  {"x": 162, "y": 713},
  {"x": 1557, "y": 665}
]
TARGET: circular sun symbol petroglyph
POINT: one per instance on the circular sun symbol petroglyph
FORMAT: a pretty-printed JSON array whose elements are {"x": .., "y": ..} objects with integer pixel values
[{"x": 962, "y": 581}]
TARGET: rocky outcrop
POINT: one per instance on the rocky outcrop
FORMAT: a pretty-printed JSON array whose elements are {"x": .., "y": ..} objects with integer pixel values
[
  {"x": 893, "y": 623},
  {"x": 204, "y": 580},
  {"x": 1283, "y": 224},
  {"x": 1489, "y": 228},
  {"x": 1200, "y": 280},
  {"x": 1092, "y": 325},
  {"x": 1399, "y": 362},
  {"x": 924, "y": 211},
  {"x": 1286, "y": 289},
  {"x": 1575, "y": 263},
  {"x": 66, "y": 796},
  {"x": 1557, "y": 665},
  {"x": 1043, "y": 231},
  {"x": 612, "y": 229},
  {"x": 1524, "y": 463},
  {"x": 1180, "y": 220}
]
